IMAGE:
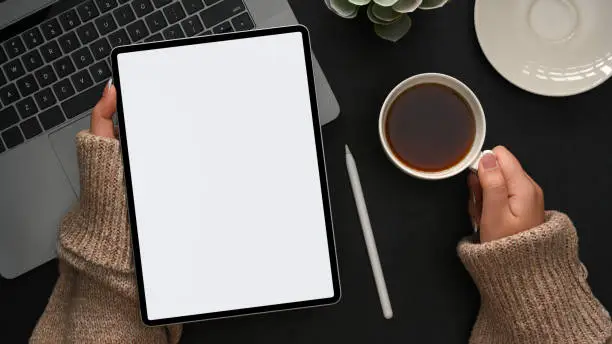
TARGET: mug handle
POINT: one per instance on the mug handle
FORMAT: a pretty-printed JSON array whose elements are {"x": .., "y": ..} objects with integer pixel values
[{"x": 474, "y": 165}]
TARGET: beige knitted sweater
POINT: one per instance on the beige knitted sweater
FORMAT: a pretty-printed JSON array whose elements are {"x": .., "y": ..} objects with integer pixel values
[
  {"x": 533, "y": 287},
  {"x": 95, "y": 298}
]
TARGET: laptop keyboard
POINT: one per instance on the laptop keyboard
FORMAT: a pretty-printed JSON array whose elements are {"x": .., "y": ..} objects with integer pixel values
[{"x": 56, "y": 71}]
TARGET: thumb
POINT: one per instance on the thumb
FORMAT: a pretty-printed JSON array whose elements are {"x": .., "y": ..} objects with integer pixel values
[
  {"x": 494, "y": 190},
  {"x": 102, "y": 114}
]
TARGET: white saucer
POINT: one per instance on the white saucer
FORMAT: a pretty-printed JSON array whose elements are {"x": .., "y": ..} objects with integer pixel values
[{"x": 547, "y": 47}]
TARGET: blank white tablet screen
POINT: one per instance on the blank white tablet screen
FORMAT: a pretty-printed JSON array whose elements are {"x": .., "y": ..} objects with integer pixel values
[{"x": 225, "y": 176}]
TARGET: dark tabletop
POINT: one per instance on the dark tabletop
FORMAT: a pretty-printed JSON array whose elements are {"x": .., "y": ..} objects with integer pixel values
[{"x": 564, "y": 143}]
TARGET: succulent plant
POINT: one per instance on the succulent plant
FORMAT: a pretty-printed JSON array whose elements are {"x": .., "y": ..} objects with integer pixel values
[{"x": 390, "y": 17}]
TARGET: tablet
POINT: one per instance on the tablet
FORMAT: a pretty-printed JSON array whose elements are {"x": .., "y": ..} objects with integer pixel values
[{"x": 225, "y": 176}]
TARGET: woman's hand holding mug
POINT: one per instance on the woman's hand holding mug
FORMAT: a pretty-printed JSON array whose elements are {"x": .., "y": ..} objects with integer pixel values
[{"x": 506, "y": 199}]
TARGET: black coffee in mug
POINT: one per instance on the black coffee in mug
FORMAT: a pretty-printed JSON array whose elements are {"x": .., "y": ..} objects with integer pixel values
[{"x": 430, "y": 127}]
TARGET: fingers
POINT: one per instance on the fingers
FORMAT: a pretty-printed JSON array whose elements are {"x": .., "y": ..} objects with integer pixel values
[
  {"x": 475, "y": 187},
  {"x": 522, "y": 189},
  {"x": 472, "y": 211},
  {"x": 102, "y": 115},
  {"x": 511, "y": 201},
  {"x": 516, "y": 178},
  {"x": 494, "y": 189},
  {"x": 538, "y": 188},
  {"x": 475, "y": 201}
]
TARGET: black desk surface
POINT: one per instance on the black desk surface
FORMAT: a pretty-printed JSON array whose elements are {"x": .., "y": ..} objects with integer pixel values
[{"x": 563, "y": 143}]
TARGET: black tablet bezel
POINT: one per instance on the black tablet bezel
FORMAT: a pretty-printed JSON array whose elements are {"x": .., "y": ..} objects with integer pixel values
[{"x": 321, "y": 162}]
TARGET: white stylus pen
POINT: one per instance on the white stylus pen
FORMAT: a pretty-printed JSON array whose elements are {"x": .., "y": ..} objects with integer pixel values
[{"x": 368, "y": 235}]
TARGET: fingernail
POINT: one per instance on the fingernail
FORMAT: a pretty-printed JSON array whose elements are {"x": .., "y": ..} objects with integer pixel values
[
  {"x": 107, "y": 88},
  {"x": 489, "y": 160}
]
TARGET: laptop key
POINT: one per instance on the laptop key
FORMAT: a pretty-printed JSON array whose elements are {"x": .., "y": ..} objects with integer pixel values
[
  {"x": 206, "y": 33},
  {"x": 106, "y": 24},
  {"x": 33, "y": 38},
  {"x": 9, "y": 94},
  {"x": 50, "y": 51},
  {"x": 14, "y": 69},
  {"x": 63, "y": 89},
  {"x": 118, "y": 38},
  {"x": 2, "y": 79},
  {"x": 174, "y": 32},
  {"x": 100, "y": 71},
  {"x": 192, "y": 6},
  {"x": 124, "y": 15},
  {"x": 64, "y": 67},
  {"x": 161, "y": 3},
  {"x": 2, "y": 149},
  {"x": 174, "y": 12},
  {"x": 51, "y": 117},
  {"x": 101, "y": 48},
  {"x": 14, "y": 47},
  {"x": 156, "y": 21},
  {"x": 223, "y": 28},
  {"x": 211, "y": 2},
  {"x": 45, "y": 98},
  {"x": 155, "y": 38},
  {"x": 142, "y": 7},
  {"x": 27, "y": 85},
  {"x": 3, "y": 57},
  {"x": 82, "y": 58},
  {"x": 192, "y": 26},
  {"x": 51, "y": 29},
  {"x": 8, "y": 117},
  {"x": 243, "y": 22},
  {"x": 124, "y": 1},
  {"x": 137, "y": 30},
  {"x": 30, "y": 128},
  {"x": 45, "y": 76},
  {"x": 27, "y": 107},
  {"x": 83, "y": 102},
  {"x": 12, "y": 137},
  {"x": 69, "y": 20},
  {"x": 106, "y": 5},
  {"x": 81, "y": 80},
  {"x": 221, "y": 11},
  {"x": 88, "y": 11},
  {"x": 69, "y": 42},
  {"x": 87, "y": 33},
  {"x": 32, "y": 60}
]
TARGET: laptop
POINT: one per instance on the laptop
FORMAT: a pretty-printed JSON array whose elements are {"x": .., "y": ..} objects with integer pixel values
[{"x": 54, "y": 62}]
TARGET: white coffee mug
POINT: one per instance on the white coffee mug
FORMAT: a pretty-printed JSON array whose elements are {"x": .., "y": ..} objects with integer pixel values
[{"x": 472, "y": 159}]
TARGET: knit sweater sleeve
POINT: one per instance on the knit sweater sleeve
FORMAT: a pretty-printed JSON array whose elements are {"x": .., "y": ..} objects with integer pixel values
[
  {"x": 534, "y": 289},
  {"x": 95, "y": 299},
  {"x": 94, "y": 236}
]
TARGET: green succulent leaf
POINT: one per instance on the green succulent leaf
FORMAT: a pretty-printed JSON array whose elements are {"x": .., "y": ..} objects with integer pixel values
[
  {"x": 344, "y": 8},
  {"x": 390, "y": 18},
  {"x": 394, "y": 31},
  {"x": 432, "y": 4},
  {"x": 386, "y": 14},
  {"x": 373, "y": 18},
  {"x": 360, "y": 2},
  {"x": 407, "y": 6},
  {"x": 386, "y": 3}
]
